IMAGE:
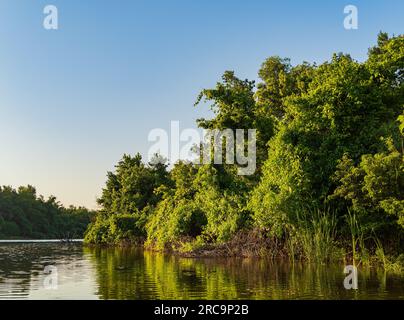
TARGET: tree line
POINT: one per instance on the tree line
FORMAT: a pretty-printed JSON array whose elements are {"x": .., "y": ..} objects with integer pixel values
[{"x": 24, "y": 215}]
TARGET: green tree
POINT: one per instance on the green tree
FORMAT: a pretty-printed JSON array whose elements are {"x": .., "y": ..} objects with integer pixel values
[
  {"x": 128, "y": 199},
  {"x": 374, "y": 187},
  {"x": 345, "y": 109},
  {"x": 25, "y": 215}
]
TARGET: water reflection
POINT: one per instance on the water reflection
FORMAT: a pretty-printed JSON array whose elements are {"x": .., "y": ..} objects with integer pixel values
[
  {"x": 134, "y": 274},
  {"x": 94, "y": 273},
  {"x": 23, "y": 271}
]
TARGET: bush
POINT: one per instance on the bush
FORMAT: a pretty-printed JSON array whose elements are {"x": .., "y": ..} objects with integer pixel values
[{"x": 114, "y": 230}]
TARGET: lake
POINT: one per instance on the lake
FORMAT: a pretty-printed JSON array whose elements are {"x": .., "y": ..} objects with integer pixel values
[{"x": 54, "y": 270}]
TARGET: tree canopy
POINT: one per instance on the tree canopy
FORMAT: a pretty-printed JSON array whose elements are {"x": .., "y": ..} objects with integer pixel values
[
  {"x": 24, "y": 215},
  {"x": 329, "y": 137}
]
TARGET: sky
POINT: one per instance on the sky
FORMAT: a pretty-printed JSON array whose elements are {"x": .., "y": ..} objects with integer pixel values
[{"x": 75, "y": 99}]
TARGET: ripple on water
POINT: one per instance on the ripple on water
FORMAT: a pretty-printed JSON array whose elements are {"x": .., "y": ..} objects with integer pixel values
[{"x": 94, "y": 273}]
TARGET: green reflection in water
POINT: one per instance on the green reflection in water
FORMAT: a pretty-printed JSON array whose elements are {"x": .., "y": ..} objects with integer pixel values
[
  {"x": 135, "y": 274},
  {"x": 116, "y": 273}
]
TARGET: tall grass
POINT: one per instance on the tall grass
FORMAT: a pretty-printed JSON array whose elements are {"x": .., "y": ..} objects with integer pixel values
[
  {"x": 360, "y": 254},
  {"x": 367, "y": 249},
  {"x": 314, "y": 236},
  {"x": 389, "y": 264},
  {"x": 380, "y": 254}
]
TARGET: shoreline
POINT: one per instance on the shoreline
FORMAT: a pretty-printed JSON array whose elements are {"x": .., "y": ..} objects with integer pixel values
[
  {"x": 42, "y": 241},
  {"x": 242, "y": 246},
  {"x": 253, "y": 244}
]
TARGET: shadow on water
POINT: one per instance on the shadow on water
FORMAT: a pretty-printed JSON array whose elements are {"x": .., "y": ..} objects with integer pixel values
[{"x": 131, "y": 273}]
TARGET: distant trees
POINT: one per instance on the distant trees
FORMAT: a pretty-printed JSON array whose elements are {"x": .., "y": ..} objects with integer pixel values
[{"x": 25, "y": 215}]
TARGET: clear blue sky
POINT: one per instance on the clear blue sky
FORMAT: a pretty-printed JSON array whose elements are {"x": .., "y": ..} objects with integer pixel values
[{"x": 72, "y": 101}]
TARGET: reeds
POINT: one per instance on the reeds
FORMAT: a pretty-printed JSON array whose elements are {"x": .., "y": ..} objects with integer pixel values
[
  {"x": 360, "y": 254},
  {"x": 313, "y": 237}
]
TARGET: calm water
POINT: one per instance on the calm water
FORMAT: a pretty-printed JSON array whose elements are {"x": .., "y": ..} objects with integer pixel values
[{"x": 33, "y": 270}]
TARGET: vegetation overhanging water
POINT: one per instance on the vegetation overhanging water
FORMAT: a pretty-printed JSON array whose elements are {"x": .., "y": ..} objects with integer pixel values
[{"x": 328, "y": 185}]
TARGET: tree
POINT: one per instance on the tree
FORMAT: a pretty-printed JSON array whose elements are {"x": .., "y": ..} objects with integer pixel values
[
  {"x": 25, "y": 215},
  {"x": 374, "y": 187},
  {"x": 345, "y": 108},
  {"x": 128, "y": 198}
]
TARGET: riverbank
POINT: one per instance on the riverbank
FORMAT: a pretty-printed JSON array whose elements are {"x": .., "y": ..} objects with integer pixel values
[
  {"x": 258, "y": 244},
  {"x": 41, "y": 241},
  {"x": 244, "y": 244}
]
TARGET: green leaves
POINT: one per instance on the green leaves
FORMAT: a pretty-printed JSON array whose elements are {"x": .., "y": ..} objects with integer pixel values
[
  {"x": 131, "y": 187},
  {"x": 375, "y": 186},
  {"x": 327, "y": 136},
  {"x": 344, "y": 109},
  {"x": 25, "y": 215}
]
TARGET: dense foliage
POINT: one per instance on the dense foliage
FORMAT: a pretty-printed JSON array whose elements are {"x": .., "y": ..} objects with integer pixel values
[
  {"x": 127, "y": 200},
  {"x": 24, "y": 215},
  {"x": 329, "y": 152}
]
